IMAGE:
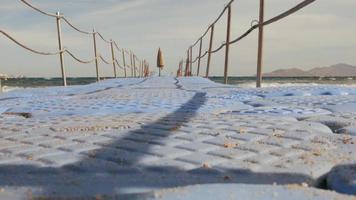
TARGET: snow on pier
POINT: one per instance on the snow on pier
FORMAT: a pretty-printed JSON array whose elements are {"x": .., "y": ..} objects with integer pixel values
[{"x": 134, "y": 137}]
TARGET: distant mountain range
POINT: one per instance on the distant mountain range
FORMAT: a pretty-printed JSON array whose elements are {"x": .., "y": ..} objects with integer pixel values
[{"x": 338, "y": 70}]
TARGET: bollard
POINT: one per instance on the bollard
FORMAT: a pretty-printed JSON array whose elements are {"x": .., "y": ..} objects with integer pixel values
[
  {"x": 113, "y": 58},
  {"x": 59, "y": 33},
  {"x": 227, "y": 49},
  {"x": 210, "y": 48},
  {"x": 260, "y": 46},
  {"x": 96, "y": 57},
  {"x": 199, "y": 59}
]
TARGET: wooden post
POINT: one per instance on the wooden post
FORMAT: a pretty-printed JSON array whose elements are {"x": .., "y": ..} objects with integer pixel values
[
  {"x": 61, "y": 59},
  {"x": 96, "y": 57},
  {"x": 260, "y": 46},
  {"x": 113, "y": 58},
  {"x": 124, "y": 61},
  {"x": 199, "y": 59},
  {"x": 210, "y": 49},
  {"x": 227, "y": 49}
]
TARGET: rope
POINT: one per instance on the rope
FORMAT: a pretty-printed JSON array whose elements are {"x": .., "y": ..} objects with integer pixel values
[
  {"x": 219, "y": 17},
  {"x": 79, "y": 60},
  {"x": 196, "y": 59},
  {"x": 218, "y": 49},
  {"x": 38, "y": 10},
  {"x": 289, "y": 12},
  {"x": 118, "y": 64},
  {"x": 106, "y": 62},
  {"x": 52, "y": 15},
  {"x": 75, "y": 28},
  {"x": 275, "y": 19},
  {"x": 103, "y": 38},
  {"x": 117, "y": 47},
  {"x": 28, "y": 48}
]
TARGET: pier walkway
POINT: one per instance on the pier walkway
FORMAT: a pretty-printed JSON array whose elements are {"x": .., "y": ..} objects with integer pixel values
[{"x": 123, "y": 138}]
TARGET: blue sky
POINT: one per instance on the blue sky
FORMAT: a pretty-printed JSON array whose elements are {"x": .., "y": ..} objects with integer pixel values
[{"x": 320, "y": 35}]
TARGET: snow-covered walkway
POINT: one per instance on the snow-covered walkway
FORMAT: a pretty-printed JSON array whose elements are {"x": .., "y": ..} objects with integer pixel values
[{"x": 125, "y": 137}]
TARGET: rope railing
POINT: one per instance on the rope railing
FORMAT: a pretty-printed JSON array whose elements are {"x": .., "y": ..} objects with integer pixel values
[
  {"x": 74, "y": 27},
  {"x": 102, "y": 37},
  {"x": 59, "y": 17},
  {"x": 78, "y": 59},
  {"x": 260, "y": 25},
  {"x": 117, "y": 46},
  {"x": 216, "y": 20},
  {"x": 104, "y": 60},
  {"x": 118, "y": 64},
  {"x": 39, "y": 10},
  {"x": 28, "y": 48}
]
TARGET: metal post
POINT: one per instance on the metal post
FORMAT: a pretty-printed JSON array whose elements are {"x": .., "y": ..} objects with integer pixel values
[
  {"x": 134, "y": 64},
  {"x": 59, "y": 33},
  {"x": 191, "y": 61},
  {"x": 210, "y": 49},
  {"x": 131, "y": 64},
  {"x": 199, "y": 59},
  {"x": 124, "y": 61},
  {"x": 181, "y": 67},
  {"x": 227, "y": 50},
  {"x": 187, "y": 65},
  {"x": 96, "y": 57},
  {"x": 113, "y": 58},
  {"x": 260, "y": 46},
  {"x": 142, "y": 69}
]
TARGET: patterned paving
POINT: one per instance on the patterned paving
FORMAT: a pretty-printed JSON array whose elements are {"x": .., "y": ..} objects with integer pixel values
[{"x": 128, "y": 136}]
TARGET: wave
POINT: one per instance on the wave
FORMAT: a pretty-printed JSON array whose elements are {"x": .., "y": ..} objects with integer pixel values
[{"x": 8, "y": 88}]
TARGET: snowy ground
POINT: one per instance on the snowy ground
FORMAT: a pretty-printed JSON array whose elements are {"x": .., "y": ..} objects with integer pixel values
[{"x": 125, "y": 137}]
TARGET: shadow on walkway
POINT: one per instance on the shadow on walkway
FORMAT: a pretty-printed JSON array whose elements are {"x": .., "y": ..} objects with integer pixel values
[{"x": 72, "y": 181}]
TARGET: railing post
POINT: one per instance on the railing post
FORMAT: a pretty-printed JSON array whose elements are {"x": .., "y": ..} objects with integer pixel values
[
  {"x": 199, "y": 59},
  {"x": 96, "y": 57},
  {"x": 113, "y": 58},
  {"x": 260, "y": 46},
  {"x": 124, "y": 61},
  {"x": 131, "y": 64},
  {"x": 191, "y": 61},
  {"x": 210, "y": 49},
  {"x": 134, "y": 64},
  {"x": 227, "y": 50},
  {"x": 59, "y": 33},
  {"x": 142, "y": 64},
  {"x": 187, "y": 65}
]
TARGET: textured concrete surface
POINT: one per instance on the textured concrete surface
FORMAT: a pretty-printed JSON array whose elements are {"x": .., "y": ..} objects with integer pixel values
[{"x": 126, "y": 137}]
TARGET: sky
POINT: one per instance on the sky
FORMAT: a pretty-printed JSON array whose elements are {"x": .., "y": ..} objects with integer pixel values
[{"x": 320, "y": 35}]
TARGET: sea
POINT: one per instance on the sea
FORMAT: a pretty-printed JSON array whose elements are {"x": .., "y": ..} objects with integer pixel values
[{"x": 246, "y": 82}]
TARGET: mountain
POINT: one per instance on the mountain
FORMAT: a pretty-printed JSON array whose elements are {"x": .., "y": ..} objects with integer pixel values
[{"x": 338, "y": 70}]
